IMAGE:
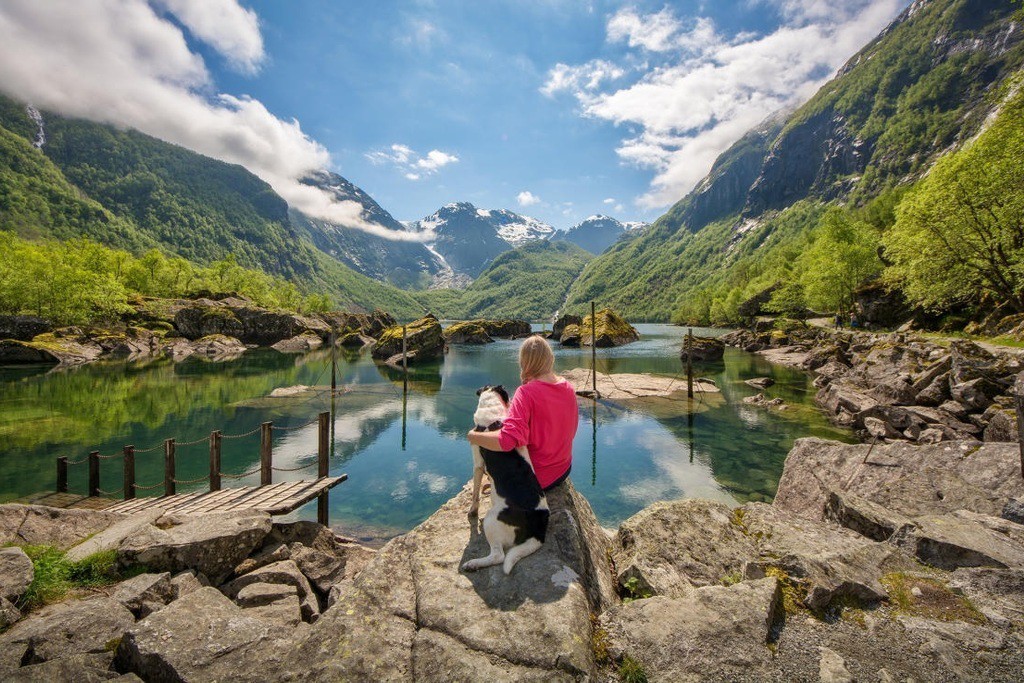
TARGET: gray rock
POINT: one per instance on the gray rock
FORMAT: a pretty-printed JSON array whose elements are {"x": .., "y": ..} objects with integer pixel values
[
  {"x": 832, "y": 668},
  {"x": 1014, "y": 510},
  {"x": 201, "y": 637},
  {"x": 996, "y": 593},
  {"x": 23, "y": 327},
  {"x": 284, "y": 572},
  {"x": 880, "y": 429},
  {"x": 9, "y": 613},
  {"x": 41, "y": 525},
  {"x": 907, "y": 479},
  {"x": 307, "y": 341},
  {"x": 217, "y": 347},
  {"x": 712, "y": 633},
  {"x": 76, "y": 669},
  {"x": 963, "y": 539},
  {"x": 142, "y": 593},
  {"x": 427, "y": 616},
  {"x": 271, "y": 602},
  {"x": 187, "y": 582},
  {"x": 16, "y": 573},
  {"x": 268, "y": 554},
  {"x": 861, "y": 515},
  {"x": 976, "y": 394},
  {"x": 760, "y": 382},
  {"x": 63, "y": 630},
  {"x": 323, "y": 569},
  {"x": 1002, "y": 426},
  {"x": 703, "y": 349},
  {"x": 111, "y": 537},
  {"x": 670, "y": 547},
  {"x": 830, "y": 562},
  {"x": 936, "y": 392},
  {"x": 210, "y": 544}
]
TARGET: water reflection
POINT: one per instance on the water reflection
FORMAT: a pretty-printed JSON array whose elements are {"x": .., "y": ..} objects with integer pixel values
[{"x": 401, "y": 439}]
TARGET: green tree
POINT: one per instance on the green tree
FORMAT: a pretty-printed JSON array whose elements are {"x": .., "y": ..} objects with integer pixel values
[
  {"x": 959, "y": 234},
  {"x": 843, "y": 256}
]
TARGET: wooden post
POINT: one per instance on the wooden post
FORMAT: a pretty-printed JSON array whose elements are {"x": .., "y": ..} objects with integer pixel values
[
  {"x": 593, "y": 349},
  {"x": 266, "y": 453},
  {"x": 323, "y": 464},
  {"x": 129, "y": 472},
  {"x": 215, "y": 460},
  {"x": 169, "y": 467},
  {"x": 334, "y": 362},
  {"x": 689, "y": 363},
  {"x": 94, "y": 473},
  {"x": 62, "y": 475},
  {"x": 405, "y": 363},
  {"x": 1018, "y": 400}
]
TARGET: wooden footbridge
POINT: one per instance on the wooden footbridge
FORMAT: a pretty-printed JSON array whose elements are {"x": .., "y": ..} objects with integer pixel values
[{"x": 276, "y": 499}]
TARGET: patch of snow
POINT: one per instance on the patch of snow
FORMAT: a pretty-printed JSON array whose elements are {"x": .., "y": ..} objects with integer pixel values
[{"x": 483, "y": 213}]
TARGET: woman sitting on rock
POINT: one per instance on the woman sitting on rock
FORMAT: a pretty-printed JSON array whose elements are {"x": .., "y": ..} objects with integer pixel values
[{"x": 542, "y": 416}]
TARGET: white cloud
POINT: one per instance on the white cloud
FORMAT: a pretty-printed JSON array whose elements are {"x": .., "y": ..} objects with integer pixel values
[
  {"x": 412, "y": 165},
  {"x": 609, "y": 200},
  {"x": 585, "y": 77},
  {"x": 436, "y": 159},
  {"x": 527, "y": 198},
  {"x": 701, "y": 90},
  {"x": 122, "y": 62},
  {"x": 223, "y": 24}
]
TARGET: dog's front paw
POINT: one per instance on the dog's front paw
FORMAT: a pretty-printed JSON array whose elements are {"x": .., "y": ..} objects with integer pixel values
[{"x": 471, "y": 565}]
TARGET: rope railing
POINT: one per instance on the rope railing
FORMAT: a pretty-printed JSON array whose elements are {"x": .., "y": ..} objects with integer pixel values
[
  {"x": 243, "y": 474},
  {"x": 240, "y": 436},
  {"x": 186, "y": 482},
  {"x": 140, "y": 487},
  {"x": 291, "y": 429},
  {"x": 293, "y": 469}
]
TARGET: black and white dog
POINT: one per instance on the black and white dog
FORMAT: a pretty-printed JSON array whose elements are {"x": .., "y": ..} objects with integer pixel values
[{"x": 518, "y": 519}]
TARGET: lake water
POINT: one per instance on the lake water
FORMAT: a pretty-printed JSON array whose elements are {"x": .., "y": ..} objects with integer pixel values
[{"x": 404, "y": 457}]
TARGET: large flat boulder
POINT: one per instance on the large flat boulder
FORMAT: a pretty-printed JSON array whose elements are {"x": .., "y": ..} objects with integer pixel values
[
  {"x": 202, "y": 637},
  {"x": 829, "y": 562},
  {"x": 711, "y": 633},
  {"x": 69, "y": 628},
  {"x": 912, "y": 480},
  {"x": 964, "y": 539},
  {"x": 432, "y": 621},
  {"x": 211, "y": 544},
  {"x": 111, "y": 537},
  {"x": 668, "y": 548},
  {"x": 42, "y": 525}
]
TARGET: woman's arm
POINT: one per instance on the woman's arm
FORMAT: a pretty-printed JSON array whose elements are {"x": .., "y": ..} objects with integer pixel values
[{"x": 488, "y": 440}]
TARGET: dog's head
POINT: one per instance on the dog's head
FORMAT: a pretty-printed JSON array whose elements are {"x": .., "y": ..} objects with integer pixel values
[{"x": 499, "y": 390}]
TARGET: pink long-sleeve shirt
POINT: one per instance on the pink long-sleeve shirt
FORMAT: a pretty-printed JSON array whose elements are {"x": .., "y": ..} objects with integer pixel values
[{"x": 543, "y": 417}]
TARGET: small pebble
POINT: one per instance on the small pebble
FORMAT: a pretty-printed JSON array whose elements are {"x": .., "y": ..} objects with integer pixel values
[{"x": 916, "y": 592}]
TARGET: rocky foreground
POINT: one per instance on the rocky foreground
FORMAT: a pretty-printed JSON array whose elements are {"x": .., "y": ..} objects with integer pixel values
[
  {"x": 887, "y": 563},
  {"x": 900, "y": 387}
]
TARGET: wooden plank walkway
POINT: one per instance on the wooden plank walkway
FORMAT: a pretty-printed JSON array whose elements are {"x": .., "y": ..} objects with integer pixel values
[{"x": 276, "y": 499}]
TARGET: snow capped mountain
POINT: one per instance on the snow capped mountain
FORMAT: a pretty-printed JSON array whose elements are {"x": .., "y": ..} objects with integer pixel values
[
  {"x": 468, "y": 238},
  {"x": 402, "y": 263},
  {"x": 597, "y": 233}
]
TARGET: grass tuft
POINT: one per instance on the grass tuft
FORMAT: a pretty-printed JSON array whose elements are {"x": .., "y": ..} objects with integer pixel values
[
  {"x": 56, "y": 576},
  {"x": 631, "y": 671}
]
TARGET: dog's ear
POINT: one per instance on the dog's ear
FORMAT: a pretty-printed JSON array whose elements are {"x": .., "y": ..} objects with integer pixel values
[
  {"x": 482, "y": 389},
  {"x": 500, "y": 390}
]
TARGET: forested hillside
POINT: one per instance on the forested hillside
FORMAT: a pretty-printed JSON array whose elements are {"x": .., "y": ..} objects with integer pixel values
[
  {"x": 922, "y": 88},
  {"x": 129, "y": 191},
  {"x": 528, "y": 283}
]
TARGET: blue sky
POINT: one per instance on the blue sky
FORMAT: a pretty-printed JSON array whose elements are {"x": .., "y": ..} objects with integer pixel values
[{"x": 553, "y": 108}]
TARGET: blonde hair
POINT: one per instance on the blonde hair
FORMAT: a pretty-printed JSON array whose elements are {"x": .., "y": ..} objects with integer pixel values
[{"x": 536, "y": 358}]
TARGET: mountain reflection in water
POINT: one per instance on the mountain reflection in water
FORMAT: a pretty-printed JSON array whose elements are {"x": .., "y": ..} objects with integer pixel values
[{"x": 405, "y": 454}]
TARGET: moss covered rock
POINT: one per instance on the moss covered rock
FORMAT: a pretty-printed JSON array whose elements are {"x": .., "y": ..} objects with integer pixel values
[
  {"x": 424, "y": 340},
  {"x": 703, "y": 349},
  {"x": 468, "y": 332},
  {"x": 611, "y": 330}
]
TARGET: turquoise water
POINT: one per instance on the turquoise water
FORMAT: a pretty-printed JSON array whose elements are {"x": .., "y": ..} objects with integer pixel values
[{"x": 406, "y": 455}]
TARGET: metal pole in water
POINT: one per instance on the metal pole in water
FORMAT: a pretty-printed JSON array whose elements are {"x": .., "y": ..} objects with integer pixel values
[
  {"x": 405, "y": 382},
  {"x": 593, "y": 349},
  {"x": 689, "y": 364},
  {"x": 334, "y": 362}
]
